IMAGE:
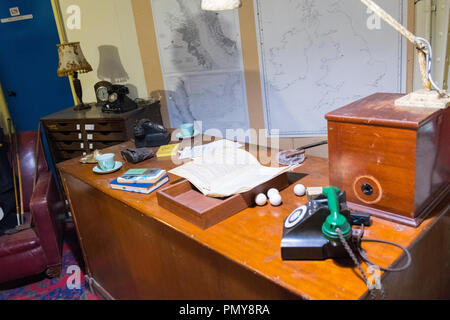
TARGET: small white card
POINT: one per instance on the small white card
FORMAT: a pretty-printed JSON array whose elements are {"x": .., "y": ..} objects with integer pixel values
[{"x": 14, "y": 11}]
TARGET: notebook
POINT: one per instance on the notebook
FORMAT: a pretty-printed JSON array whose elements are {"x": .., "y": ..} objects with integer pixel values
[
  {"x": 145, "y": 188},
  {"x": 142, "y": 176}
]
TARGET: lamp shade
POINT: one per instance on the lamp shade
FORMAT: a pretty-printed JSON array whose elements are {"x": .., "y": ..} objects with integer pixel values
[
  {"x": 71, "y": 59},
  {"x": 217, "y": 5}
]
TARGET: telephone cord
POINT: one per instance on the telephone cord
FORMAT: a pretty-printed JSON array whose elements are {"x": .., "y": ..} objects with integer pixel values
[
  {"x": 363, "y": 255},
  {"x": 349, "y": 250}
]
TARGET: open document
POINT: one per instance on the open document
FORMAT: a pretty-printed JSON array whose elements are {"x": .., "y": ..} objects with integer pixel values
[
  {"x": 226, "y": 171},
  {"x": 197, "y": 151}
]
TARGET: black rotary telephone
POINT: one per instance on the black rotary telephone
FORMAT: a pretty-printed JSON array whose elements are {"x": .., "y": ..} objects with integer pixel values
[
  {"x": 149, "y": 134},
  {"x": 118, "y": 101},
  {"x": 322, "y": 229}
]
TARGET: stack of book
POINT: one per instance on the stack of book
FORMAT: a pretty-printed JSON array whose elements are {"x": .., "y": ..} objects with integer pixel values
[{"x": 140, "y": 180}]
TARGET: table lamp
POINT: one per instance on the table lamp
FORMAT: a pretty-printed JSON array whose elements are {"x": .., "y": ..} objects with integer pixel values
[
  {"x": 431, "y": 96},
  {"x": 72, "y": 62}
]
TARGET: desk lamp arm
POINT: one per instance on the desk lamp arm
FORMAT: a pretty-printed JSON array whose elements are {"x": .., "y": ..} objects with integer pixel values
[{"x": 424, "y": 52}]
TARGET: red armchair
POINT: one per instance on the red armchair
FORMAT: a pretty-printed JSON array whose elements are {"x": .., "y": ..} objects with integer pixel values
[{"x": 37, "y": 249}]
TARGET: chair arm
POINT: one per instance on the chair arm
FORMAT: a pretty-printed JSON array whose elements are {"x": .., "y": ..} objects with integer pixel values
[{"x": 48, "y": 212}]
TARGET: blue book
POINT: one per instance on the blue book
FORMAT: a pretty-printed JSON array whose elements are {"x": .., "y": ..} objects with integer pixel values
[{"x": 145, "y": 188}]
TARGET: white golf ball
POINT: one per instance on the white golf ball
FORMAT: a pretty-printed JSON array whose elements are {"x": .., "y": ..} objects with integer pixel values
[
  {"x": 299, "y": 190},
  {"x": 261, "y": 199},
  {"x": 272, "y": 192},
  {"x": 275, "y": 200}
]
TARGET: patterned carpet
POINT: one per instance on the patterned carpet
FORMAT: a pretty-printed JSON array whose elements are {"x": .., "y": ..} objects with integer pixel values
[{"x": 42, "y": 288}]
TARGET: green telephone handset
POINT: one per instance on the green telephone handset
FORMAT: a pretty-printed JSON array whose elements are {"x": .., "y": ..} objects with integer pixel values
[{"x": 335, "y": 219}]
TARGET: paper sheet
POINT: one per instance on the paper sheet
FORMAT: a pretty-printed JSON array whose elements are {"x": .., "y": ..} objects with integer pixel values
[
  {"x": 227, "y": 171},
  {"x": 198, "y": 151}
]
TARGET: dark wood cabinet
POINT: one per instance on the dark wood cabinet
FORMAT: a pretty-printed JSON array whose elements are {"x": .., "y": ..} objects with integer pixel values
[{"x": 75, "y": 133}]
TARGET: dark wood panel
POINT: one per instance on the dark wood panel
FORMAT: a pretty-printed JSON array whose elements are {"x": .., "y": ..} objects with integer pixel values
[
  {"x": 68, "y": 154},
  {"x": 66, "y": 136},
  {"x": 106, "y": 136},
  {"x": 153, "y": 260},
  {"x": 63, "y": 126},
  {"x": 99, "y": 125},
  {"x": 429, "y": 278},
  {"x": 69, "y": 145}
]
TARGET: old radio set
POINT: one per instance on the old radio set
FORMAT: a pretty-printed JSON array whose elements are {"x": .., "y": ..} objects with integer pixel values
[{"x": 393, "y": 162}]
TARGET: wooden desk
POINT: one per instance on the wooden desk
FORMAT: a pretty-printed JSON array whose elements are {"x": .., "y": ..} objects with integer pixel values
[{"x": 134, "y": 249}]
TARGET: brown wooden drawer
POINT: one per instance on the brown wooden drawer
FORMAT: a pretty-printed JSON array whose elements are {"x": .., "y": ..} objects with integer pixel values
[
  {"x": 63, "y": 126},
  {"x": 106, "y": 136},
  {"x": 102, "y": 144},
  {"x": 69, "y": 145},
  {"x": 65, "y": 155},
  {"x": 104, "y": 126},
  {"x": 66, "y": 136}
]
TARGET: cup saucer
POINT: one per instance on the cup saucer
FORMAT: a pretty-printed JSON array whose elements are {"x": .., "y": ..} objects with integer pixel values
[
  {"x": 117, "y": 166},
  {"x": 180, "y": 136}
]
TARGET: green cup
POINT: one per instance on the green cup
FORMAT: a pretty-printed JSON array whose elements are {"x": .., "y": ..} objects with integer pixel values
[
  {"x": 106, "y": 161},
  {"x": 187, "y": 129}
]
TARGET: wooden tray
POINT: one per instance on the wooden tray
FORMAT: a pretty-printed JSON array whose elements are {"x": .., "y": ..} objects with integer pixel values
[{"x": 184, "y": 200}]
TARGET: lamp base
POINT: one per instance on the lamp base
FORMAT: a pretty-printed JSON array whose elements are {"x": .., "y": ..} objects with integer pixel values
[
  {"x": 423, "y": 99},
  {"x": 81, "y": 107}
]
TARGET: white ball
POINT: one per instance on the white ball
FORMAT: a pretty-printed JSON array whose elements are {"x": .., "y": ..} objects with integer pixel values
[
  {"x": 272, "y": 192},
  {"x": 299, "y": 190},
  {"x": 275, "y": 200},
  {"x": 261, "y": 199}
]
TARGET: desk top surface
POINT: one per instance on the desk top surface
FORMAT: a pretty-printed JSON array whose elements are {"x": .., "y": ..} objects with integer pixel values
[{"x": 252, "y": 237}]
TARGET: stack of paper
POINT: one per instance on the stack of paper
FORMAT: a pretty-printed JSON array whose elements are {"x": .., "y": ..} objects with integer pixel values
[{"x": 227, "y": 171}]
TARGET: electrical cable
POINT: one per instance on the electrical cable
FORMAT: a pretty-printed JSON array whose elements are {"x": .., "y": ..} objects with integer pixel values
[
  {"x": 425, "y": 46},
  {"x": 364, "y": 256}
]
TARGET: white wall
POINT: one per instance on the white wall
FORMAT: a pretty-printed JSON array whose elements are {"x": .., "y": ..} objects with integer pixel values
[
  {"x": 432, "y": 23},
  {"x": 109, "y": 25}
]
